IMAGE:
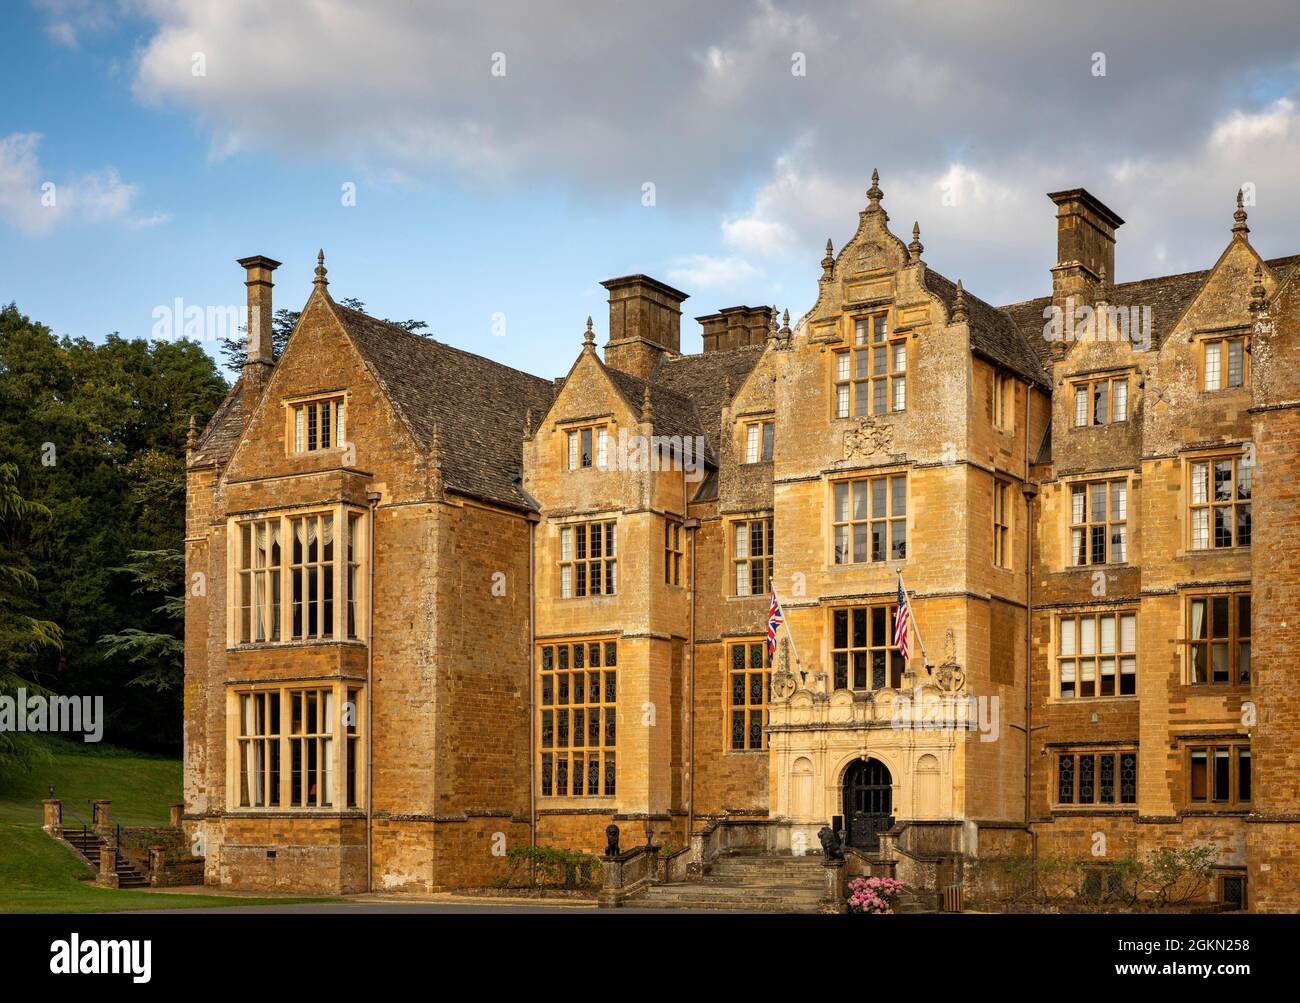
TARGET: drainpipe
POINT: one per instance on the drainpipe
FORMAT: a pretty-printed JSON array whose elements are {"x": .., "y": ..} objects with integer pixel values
[
  {"x": 691, "y": 526},
  {"x": 373, "y": 498},
  {"x": 533, "y": 519},
  {"x": 1030, "y": 492}
]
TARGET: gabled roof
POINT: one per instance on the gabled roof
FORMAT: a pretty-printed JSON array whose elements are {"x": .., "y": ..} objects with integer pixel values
[
  {"x": 704, "y": 380},
  {"x": 993, "y": 334},
  {"x": 1167, "y": 295},
  {"x": 478, "y": 405},
  {"x": 672, "y": 413},
  {"x": 221, "y": 434}
]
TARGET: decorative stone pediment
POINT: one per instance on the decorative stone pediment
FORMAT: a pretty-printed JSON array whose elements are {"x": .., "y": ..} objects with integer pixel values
[{"x": 873, "y": 267}]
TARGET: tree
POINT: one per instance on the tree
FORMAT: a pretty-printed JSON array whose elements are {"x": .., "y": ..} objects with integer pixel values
[
  {"x": 159, "y": 653},
  {"x": 22, "y": 634},
  {"x": 97, "y": 434},
  {"x": 234, "y": 351}
]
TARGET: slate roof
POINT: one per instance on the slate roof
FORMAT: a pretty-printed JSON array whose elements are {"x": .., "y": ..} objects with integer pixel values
[
  {"x": 993, "y": 333},
  {"x": 704, "y": 378},
  {"x": 1167, "y": 295},
  {"x": 478, "y": 405},
  {"x": 672, "y": 413},
  {"x": 221, "y": 434}
]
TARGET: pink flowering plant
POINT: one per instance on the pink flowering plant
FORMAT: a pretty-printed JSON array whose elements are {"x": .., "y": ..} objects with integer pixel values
[{"x": 874, "y": 895}]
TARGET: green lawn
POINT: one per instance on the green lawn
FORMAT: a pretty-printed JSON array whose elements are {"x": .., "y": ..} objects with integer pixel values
[
  {"x": 39, "y": 874},
  {"x": 141, "y": 787}
]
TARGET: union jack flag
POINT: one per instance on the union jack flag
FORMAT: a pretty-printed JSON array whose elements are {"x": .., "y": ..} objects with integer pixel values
[
  {"x": 902, "y": 621},
  {"x": 774, "y": 620}
]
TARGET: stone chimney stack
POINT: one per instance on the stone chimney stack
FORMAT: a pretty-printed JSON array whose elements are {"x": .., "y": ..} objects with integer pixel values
[
  {"x": 260, "y": 354},
  {"x": 1085, "y": 246},
  {"x": 736, "y": 326},
  {"x": 645, "y": 322}
]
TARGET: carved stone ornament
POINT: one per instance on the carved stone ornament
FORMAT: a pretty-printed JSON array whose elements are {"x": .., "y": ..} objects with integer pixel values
[
  {"x": 950, "y": 676},
  {"x": 784, "y": 683},
  {"x": 867, "y": 256},
  {"x": 866, "y": 437}
]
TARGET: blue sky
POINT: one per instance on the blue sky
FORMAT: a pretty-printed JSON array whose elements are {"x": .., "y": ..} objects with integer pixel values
[{"x": 480, "y": 194}]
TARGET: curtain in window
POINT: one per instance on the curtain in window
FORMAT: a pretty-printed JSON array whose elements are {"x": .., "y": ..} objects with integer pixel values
[
  {"x": 252, "y": 752},
  {"x": 1198, "y": 620}
]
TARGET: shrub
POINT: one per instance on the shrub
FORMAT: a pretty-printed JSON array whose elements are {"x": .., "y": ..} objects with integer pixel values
[
  {"x": 550, "y": 867},
  {"x": 874, "y": 895}
]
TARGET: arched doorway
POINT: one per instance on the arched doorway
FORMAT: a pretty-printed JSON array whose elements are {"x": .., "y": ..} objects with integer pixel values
[{"x": 868, "y": 803}]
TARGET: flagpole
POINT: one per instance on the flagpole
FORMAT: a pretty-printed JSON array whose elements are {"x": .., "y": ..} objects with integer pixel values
[
  {"x": 788, "y": 632},
  {"x": 925, "y": 659}
]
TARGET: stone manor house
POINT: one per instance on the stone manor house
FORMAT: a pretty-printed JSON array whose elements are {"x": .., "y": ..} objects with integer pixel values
[{"x": 451, "y": 607}]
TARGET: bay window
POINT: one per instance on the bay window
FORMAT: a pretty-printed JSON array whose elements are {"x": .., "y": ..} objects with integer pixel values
[
  {"x": 297, "y": 747},
  {"x": 298, "y": 577}
]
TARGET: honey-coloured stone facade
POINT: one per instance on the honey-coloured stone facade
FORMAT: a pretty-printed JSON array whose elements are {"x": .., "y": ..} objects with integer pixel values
[{"x": 578, "y": 571}]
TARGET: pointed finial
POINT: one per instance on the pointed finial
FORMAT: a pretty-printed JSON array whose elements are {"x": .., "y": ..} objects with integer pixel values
[
  {"x": 916, "y": 247},
  {"x": 647, "y": 411},
  {"x": 772, "y": 331},
  {"x": 874, "y": 193},
  {"x": 785, "y": 323},
  {"x": 528, "y": 423},
  {"x": 1239, "y": 227},
  {"x": 1258, "y": 296},
  {"x": 828, "y": 262},
  {"x": 320, "y": 269},
  {"x": 959, "y": 304},
  {"x": 588, "y": 336},
  {"x": 192, "y": 436}
]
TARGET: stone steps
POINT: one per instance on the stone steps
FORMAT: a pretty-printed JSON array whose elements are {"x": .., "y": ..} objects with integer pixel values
[
  {"x": 88, "y": 843},
  {"x": 745, "y": 883}
]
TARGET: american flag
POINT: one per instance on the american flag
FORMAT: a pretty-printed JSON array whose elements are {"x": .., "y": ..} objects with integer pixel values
[
  {"x": 902, "y": 621},
  {"x": 774, "y": 620}
]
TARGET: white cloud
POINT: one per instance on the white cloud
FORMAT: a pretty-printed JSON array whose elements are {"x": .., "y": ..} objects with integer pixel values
[
  {"x": 703, "y": 271},
  {"x": 34, "y": 202},
  {"x": 67, "y": 20}
]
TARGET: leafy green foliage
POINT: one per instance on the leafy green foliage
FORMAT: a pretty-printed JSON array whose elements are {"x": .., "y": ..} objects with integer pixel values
[
  {"x": 550, "y": 867},
  {"x": 96, "y": 435},
  {"x": 160, "y": 654}
]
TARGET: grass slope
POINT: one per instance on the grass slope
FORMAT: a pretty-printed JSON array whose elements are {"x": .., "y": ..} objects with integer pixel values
[{"x": 39, "y": 874}]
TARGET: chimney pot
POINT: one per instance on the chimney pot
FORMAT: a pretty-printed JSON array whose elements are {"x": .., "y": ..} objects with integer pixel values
[
  {"x": 645, "y": 322},
  {"x": 1085, "y": 244},
  {"x": 258, "y": 270}
]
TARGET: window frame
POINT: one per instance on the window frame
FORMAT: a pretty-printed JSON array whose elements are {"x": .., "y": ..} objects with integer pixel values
[
  {"x": 298, "y": 438},
  {"x": 1233, "y": 640},
  {"x": 1089, "y": 385},
  {"x": 895, "y": 666},
  {"x": 347, "y": 579},
  {"x": 845, "y": 556},
  {"x": 342, "y": 765},
  {"x": 579, "y": 536},
  {"x": 1211, "y": 799},
  {"x": 1076, "y": 756},
  {"x": 1004, "y": 401},
  {"x": 572, "y": 446},
  {"x": 1222, "y": 344},
  {"x": 1210, "y": 504},
  {"x": 750, "y": 648},
  {"x": 764, "y": 559},
  {"x": 871, "y": 332},
  {"x": 549, "y": 667},
  {"x": 674, "y": 548},
  {"x": 762, "y": 448},
  {"x": 1108, "y": 524},
  {"x": 1075, "y": 658},
  {"x": 1003, "y": 514}
]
